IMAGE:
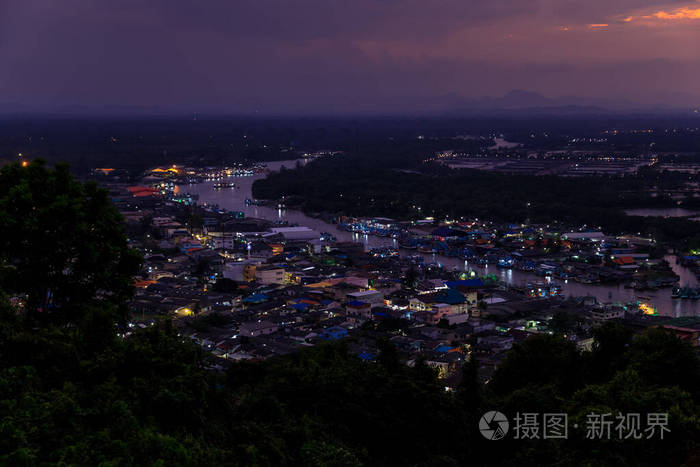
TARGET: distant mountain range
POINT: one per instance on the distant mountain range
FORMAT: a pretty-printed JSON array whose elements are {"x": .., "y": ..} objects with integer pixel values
[{"x": 517, "y": 101}]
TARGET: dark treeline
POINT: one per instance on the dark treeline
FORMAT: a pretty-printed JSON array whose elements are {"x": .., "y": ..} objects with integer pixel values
[
  {"x": 155, "y": 398},
  {"x": 137, "y": 143}
]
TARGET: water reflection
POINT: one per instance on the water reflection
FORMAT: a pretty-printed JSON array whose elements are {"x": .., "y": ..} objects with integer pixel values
[
  {"x": 664, "y": 212},
  {"x": 235, "y": 200}
]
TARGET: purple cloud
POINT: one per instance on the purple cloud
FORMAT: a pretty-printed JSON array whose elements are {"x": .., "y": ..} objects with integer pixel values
[{"x": 313, "y": 55}]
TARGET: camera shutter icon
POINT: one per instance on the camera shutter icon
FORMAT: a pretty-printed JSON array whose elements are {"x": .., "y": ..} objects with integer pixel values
[{"x": 493, "y": 425}]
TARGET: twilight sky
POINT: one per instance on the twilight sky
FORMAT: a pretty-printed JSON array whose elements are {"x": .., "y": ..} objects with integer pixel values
[{"x": 342, "y": 55}]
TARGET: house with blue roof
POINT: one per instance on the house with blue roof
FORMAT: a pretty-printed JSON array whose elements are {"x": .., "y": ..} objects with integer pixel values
[
  {"x": 468, "y": 288},
  {"x": 300, "y": 306},
  {"x": 333, "y": 333},
  {"x": 367, "y": 356},
  {"x": 467, "y": 283},
  {"x": 379, "y": 315},
  {"x": 256, "y": 298},
  {"x": 358, "y": 312},
  {"x": 432, "y": 307}
]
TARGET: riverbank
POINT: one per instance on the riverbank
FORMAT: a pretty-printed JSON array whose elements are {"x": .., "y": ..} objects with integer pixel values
[{"x": 235, "y": 200}]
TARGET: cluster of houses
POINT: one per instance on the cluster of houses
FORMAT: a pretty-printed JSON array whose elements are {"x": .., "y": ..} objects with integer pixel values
[
  {"x": 252, "y": 289},
  {"x": 586, "y": 256}
]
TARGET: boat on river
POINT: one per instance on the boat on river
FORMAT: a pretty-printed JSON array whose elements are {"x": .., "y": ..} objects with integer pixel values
[
  {"x": 686, "y": 292},
  {"x": 222, "y": 185},
  {"x": 539, "y": 289},
  {"x": 327, "y": 237}
]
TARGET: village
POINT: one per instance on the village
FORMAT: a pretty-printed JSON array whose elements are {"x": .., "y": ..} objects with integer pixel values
[{"x": 246, "y": 288}]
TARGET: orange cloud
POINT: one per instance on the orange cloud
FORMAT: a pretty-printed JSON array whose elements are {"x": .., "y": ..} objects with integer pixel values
[
  {"x": 683, "y": 13},
  {"x": 598, "y": 25},
  {"x": 679, "y": 13}
]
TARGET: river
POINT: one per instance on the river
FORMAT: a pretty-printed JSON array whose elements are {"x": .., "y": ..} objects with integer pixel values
[
  {"x": 234, "y": 199},
  {"x": 662, "y": 212}
]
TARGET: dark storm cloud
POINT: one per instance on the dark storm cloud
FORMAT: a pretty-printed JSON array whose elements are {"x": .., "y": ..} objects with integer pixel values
[{"x": 338, "y": 55}]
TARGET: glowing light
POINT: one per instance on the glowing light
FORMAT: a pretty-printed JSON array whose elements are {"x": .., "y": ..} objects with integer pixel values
[{"x": 647, "y": 309}]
